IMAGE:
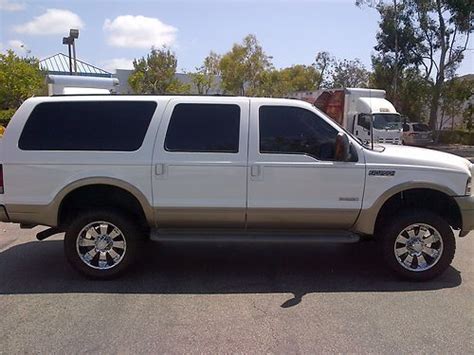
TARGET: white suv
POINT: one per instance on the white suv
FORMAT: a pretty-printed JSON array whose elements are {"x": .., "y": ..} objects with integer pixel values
[{"x": 111, "y": 171}]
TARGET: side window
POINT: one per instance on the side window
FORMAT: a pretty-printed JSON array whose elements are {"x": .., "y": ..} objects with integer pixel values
[
  {"x": 285, "y": 129},
  {"x": 87, "y": 125},
  {"x": 210, "y": 128},
  {"x": 364, "y": 120},
  {"x": 406, "y": 127}
]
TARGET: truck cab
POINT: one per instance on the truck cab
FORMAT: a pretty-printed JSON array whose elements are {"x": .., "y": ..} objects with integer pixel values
[
  {"x": 371, "y": 114},
  {"x": 366, "y": 113}
]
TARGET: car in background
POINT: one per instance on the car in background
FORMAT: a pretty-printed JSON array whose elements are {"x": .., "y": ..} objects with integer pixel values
[{"x": 417, "y": 133}]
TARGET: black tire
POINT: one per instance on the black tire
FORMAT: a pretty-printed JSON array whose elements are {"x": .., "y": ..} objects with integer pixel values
[
  {"x": 129, "y": 232},
  {"x": 397, "y": 223}
]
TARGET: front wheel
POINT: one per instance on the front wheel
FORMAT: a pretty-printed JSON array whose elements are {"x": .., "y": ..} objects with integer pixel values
[
  {"x": 418, "y": 245},
  {"x": 101, "y": 244}
]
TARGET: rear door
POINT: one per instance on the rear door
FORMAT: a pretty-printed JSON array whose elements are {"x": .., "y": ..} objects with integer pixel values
[{"x": 200, "y": 163}]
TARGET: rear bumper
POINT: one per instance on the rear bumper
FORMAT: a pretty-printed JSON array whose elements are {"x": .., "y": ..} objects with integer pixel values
[
  {"x": 466, "y": 206},
  {"x": 3, "y": 214}
]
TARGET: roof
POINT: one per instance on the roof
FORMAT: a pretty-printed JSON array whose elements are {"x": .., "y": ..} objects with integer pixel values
[{"x": 58, "y": 64}]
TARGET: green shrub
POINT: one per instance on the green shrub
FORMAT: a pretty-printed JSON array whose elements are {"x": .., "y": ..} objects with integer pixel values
[
  {"x": 6, "y": 115},
  {"x": 456, "y": 137}
]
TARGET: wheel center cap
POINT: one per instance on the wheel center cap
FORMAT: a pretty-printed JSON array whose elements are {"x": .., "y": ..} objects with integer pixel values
[
  {"x": 103, "y": 243},
  {"x": 417, "y": 246}
]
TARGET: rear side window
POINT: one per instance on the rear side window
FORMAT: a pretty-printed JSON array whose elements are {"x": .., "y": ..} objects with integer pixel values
[
  {"x": 210, "y": 128},
  {"x": 421, "y": 127},
  {"x": 87, "y": 125}
]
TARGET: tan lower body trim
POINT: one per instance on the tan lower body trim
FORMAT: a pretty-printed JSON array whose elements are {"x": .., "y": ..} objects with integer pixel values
[
  {"x": 307, "y": 218},
  {"x": 257, "y": 218},
  {"x": 180, "y": 217}
]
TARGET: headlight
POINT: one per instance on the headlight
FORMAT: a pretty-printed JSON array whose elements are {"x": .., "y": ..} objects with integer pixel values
[{"x": 468, "y": 187}]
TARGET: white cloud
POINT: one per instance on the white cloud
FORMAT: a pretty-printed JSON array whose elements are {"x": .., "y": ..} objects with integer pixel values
[
  {"x": 117, "y": 63},
  {"x": 138, "y": 32},
  {"x": 53, "y": 21},
  {"x": 7, "y": 5},
  {"x": 17, "y": 45}
]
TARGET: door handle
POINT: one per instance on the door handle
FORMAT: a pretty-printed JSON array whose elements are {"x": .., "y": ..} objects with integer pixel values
[
  {"x": 159, "y": 169},
  {"x": 255, "y": 170}
]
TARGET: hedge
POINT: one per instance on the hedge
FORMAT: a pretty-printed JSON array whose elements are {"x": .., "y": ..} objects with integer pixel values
[
  {"x": 456, "y": 137},
  {"x": 6, "y": 115}
]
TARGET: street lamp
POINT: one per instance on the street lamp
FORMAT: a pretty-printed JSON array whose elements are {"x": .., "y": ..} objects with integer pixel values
[{"x": 73, "y": 35}]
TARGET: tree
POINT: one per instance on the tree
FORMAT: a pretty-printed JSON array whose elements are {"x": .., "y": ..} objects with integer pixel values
[
  {"x": 301, "y": 77},
  {"x": 323, "y": 64},
  {"x": 204, "y": 79},
  {"x": 281, "y": 83},
  {"x": 243, "y": 66},
  {"x": 444, "y": 28},
  {"x": 350, "y": 73},
  {"x": 469, "y": 117},
  {"x": 413, "y": 93},
  {"x": 20, "y": 78},
  {"x": 456, "y": 93},
  {"x": 438, "y": 34},
  {"x": 155, "y": 74}
]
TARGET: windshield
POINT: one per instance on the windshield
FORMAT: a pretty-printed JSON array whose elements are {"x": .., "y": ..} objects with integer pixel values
[{"x": 387, "y": 121}]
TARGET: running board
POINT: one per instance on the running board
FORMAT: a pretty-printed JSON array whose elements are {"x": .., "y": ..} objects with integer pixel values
[{"x": 163, "y": 235}]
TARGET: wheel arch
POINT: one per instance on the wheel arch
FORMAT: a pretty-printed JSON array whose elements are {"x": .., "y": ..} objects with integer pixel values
[
  {"x": 370, "y": 217},
  {"x": 120, "y": 186}
]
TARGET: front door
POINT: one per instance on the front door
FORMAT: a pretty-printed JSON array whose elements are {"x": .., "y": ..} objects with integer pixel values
[
  {"x": 294, "y": 181},
  {"x": 200, "y": 164}
]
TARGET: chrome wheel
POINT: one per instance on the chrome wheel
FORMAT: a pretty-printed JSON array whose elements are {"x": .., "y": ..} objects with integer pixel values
[
  {"x": 101, "y": 245},
  {"x": 418, "y": 247}
]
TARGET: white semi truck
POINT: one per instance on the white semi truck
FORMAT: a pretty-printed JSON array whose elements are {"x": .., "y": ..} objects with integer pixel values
[{"x": 366, "y": 113}]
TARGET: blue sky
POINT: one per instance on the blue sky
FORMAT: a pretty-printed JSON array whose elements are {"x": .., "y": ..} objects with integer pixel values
[{"x": 112, "y": 33}]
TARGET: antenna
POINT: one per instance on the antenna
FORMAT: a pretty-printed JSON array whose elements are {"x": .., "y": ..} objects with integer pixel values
[{"x": 371, "y": 122}]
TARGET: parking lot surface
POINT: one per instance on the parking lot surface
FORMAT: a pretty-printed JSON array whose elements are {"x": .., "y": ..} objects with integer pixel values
[{"x": 216, "y": 298}]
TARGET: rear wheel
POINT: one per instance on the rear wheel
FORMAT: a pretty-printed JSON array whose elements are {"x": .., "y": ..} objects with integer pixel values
[
  {"x": 101, "y": 244},
  {"x": 418, "y": 245}
]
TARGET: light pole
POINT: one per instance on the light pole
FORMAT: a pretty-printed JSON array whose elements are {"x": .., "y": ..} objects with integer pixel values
[{"x": 73, "y": 35}]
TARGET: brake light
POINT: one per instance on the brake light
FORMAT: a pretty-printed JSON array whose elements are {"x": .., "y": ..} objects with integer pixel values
[{"x": 1, "y": 179}]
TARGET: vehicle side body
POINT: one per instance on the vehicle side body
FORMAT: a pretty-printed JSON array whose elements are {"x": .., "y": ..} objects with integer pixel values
[{"x": 242, "y": 191}]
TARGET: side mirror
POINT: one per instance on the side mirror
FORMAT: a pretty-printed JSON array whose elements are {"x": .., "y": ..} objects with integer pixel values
[{"x": 343, "y": 150}]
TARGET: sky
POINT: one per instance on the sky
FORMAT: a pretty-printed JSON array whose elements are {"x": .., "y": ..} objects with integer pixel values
[{"x": 114, "y": 32}]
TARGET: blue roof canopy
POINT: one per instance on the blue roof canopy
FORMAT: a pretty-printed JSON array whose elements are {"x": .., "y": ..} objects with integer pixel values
[{"x": 58, "y": 64}]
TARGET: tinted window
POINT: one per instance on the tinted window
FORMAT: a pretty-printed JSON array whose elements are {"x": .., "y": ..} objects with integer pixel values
[
  {"x": 406, "y": 127},
  {"x": 364, "y": 120},
  {"x": 295, "y": 130},
  {"x": 204, "y": 128},
  {"x": 420, "y": 127},
  {"x": 93, "y": 125}
]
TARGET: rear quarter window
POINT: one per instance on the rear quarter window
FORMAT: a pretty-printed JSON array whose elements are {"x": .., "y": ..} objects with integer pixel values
[{"x": 87, "y": 125}]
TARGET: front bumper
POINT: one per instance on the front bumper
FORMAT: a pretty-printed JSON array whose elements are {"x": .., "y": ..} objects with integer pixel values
[{"x": 466, "y": 207}]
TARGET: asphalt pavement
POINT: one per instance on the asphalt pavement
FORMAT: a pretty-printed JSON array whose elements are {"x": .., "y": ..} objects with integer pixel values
[{"x": 222, "y": 298}]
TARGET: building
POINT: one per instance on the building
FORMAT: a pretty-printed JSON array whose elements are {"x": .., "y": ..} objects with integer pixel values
[
  {"x": 78, "y": 78},
  {"x": 58, "y": 64}
]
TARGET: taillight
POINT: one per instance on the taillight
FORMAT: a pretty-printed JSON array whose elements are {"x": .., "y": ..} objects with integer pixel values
[{"x": 1, "y": 179}]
